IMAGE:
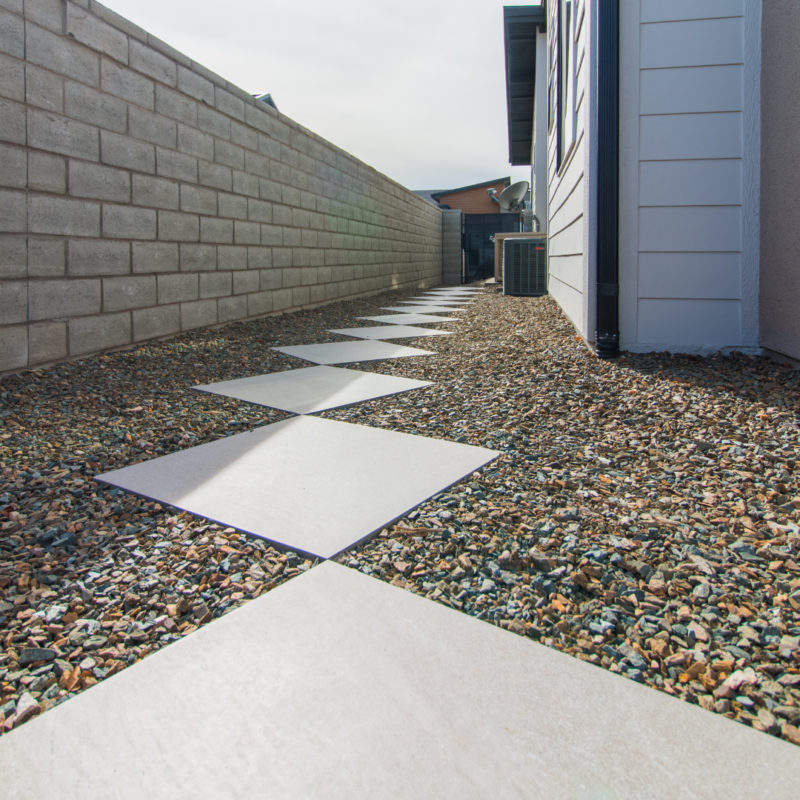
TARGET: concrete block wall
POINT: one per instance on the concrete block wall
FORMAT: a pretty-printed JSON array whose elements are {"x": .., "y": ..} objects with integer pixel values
[
  {"x": 451, "y": 246},
  {"x": 142, "y": 195}
]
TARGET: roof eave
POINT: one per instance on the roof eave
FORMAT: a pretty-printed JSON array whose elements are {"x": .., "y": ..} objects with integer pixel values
[{"x": 520, "y": 26}]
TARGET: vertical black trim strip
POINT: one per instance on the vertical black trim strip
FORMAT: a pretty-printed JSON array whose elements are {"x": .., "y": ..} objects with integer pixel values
[{"x": 607, "y": 333}]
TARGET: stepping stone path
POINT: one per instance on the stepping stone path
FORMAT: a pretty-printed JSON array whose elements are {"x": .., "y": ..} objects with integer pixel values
[
  {"x": 310, "y": 485},
  {"x": 338, "y": 685}
]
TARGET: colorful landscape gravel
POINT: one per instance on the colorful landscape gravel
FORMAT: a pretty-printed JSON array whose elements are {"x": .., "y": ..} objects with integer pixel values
[{"x": 643, "y": 515}]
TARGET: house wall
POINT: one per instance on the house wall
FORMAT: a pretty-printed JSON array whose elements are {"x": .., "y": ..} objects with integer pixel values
[
  {"x": 780, "y": 178},
  {"x": 142, "y": 195},
  {"x": 474, "y": 201},
  {"x": 569, "y": 259},
  {"x": 689, "y": 146}
]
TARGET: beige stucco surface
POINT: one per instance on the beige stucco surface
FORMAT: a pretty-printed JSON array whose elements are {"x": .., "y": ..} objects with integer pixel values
[{"x": 780, "y": 178}]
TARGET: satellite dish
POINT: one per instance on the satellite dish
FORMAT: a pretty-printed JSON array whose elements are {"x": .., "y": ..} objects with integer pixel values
[{"x": 511, "y": 197}]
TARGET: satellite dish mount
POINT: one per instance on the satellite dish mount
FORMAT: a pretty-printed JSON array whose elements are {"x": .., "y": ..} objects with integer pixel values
[{"x": 511, "y": 197}]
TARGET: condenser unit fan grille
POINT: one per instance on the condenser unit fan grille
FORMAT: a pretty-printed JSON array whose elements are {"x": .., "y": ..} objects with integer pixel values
[{"x": 525, "y": 267}]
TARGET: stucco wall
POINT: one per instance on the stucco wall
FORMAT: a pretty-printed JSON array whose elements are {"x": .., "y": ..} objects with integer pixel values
[
  {"x": 780, "y": 178},
  {"x": 142, "y": 195}
]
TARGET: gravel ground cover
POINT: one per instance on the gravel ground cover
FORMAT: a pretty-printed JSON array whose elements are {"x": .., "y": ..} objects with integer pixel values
[
  {"x": 643, "y": 515},
  {"x": 93, "y": 579}
]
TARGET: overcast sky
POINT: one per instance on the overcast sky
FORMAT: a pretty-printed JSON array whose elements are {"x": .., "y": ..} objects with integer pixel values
[{"x": 415, "y": 88}]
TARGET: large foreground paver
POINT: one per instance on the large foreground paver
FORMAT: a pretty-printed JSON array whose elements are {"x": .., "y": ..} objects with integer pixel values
[{"x": 336, "y": 685}]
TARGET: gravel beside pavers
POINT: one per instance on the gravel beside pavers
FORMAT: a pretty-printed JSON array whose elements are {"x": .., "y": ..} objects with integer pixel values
[
  {"x": 643, "y": 515},
  {"x": 93, "y": 579}
]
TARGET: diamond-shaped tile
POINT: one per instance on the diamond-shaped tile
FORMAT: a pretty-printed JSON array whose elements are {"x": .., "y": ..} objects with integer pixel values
[
  {"x": 409, "y": 305},
  {"x": 351, "y": 352},
  {"x": 390, "y": 332},
  {"x": 421, "y": 309},
  {"x": 310, "y": 484},
  {"x": 313, "y": 389},
  {"x": 408, "y": 319}
]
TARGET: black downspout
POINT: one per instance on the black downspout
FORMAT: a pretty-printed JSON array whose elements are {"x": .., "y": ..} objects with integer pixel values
[{"x": 607, "y": 333}]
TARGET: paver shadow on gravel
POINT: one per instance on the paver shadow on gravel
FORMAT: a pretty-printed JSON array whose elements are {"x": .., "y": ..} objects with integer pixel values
[
  {"x": 336, "y": 685},
  {"x": 388, "y": 332},
  {"x": 350, "y": 352},
  {"x": 308, "y": 484},
  {"x": 312, "y": 389}
]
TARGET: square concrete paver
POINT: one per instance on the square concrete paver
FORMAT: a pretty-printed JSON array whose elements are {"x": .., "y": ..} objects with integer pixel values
[
  {"x": 454, "y": 290},
  {"x": 439, "y": 301},
  {"x": 423, "y": 309},
  {"x": 339, "y": 686},
  {"x": 408, "y": 319},
  {"x": 466, "y": 297},
  {"x": 312, "y": 389},
  {"x": 309, "y": 484},
  {"x": 351, "y": 352},
  {"x": 435, "y": 298},
  {"x": 390, "y": 332}
]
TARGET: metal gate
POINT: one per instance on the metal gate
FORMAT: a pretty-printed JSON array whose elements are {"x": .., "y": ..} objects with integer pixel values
[{"x": 477, "y": 233}]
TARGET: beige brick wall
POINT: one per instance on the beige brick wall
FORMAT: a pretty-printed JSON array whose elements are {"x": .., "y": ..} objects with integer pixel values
[{"x": 142, "y": 195}]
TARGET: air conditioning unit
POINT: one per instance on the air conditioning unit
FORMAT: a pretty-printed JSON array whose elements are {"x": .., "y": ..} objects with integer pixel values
[{"x": 525, "y": 266}]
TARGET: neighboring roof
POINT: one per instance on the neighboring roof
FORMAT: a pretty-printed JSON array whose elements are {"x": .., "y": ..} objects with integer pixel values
[
  {"x": 520, "y": 25},
  {"x": 442, "y": 192},
  {"x": 266, "y": 98},
  {"x": 427, "y": 194}
]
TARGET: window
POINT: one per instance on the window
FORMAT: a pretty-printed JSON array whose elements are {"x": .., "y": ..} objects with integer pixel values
[
  {"x": 551, "y": 85},
  {"x": 566, "y": 80}
]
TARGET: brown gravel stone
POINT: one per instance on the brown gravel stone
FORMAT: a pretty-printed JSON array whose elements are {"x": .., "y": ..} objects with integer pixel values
[{"x": 643, "y": 515}]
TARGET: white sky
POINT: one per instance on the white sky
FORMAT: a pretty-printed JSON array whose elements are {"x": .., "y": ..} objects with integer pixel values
[{"x": 415, "y": 88}]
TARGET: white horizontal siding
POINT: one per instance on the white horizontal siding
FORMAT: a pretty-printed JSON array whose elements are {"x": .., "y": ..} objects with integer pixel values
[
  {"x": 707, "y": 276},
  {"x": 568, "y": 270},
  {"x": 693, "y": 323},
  {"x": 683, "y": 276},
  {"x": 570, "y": 299},
  {"x": 566, "y": 192},
  {"x": 563, "y": 188},
  {"x": 568, "y": 242},
  {"x": 692, "y": 183},
  {"x": 691, "y": 136},
  {"x": 691, "y": 90},
  {"x": 571, "y": 210},
  {"x": 669, "y": 10},
  {"x": 693, "y": 44},
  {"x": 696, "y": 228}
]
